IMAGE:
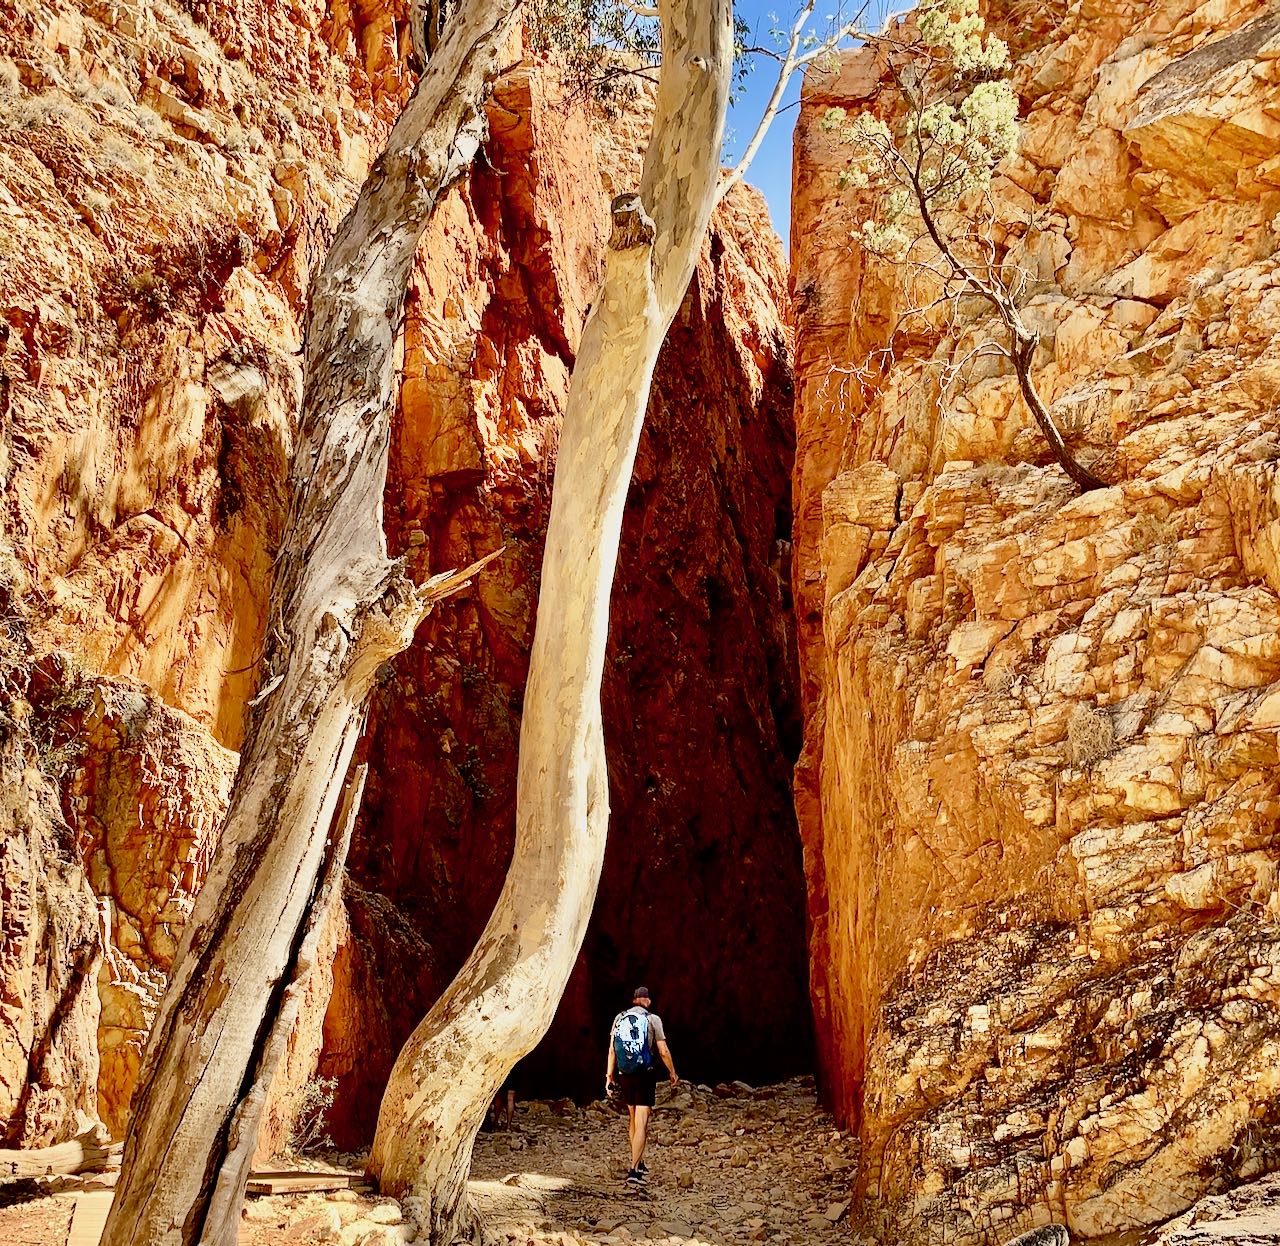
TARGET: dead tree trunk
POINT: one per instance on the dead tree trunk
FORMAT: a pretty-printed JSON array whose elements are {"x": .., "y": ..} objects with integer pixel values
[
  {"x": 505, "y": 996},
  {"x": 88, "y": 1151},
  {"x": 341, "y": 608}
]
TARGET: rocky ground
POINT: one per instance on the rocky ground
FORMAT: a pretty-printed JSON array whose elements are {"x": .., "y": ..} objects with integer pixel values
[
  {"x": 46, "y": 1222},
  {"x": 729, "y": 1165},
  {"x": 1246, "y": 1216}
]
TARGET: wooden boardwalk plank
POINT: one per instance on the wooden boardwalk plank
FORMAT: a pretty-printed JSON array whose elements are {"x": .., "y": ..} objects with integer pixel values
[
  {"x": 92, "y": 1207},
  {"x": 300, "y": 1182},
  {"x": 90, "y": 1218}
]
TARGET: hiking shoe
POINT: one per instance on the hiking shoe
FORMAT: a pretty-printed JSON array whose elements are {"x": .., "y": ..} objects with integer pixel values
[
  {"x": 642, "y": 1168},
  {"x": 635, "y": 1177}
]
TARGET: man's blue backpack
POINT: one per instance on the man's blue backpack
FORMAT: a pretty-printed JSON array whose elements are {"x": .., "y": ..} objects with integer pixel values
[{"x": 631, "y": 1042}]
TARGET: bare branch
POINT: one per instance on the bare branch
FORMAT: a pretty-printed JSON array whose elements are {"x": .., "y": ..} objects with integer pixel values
[
  {"x": 952, "y": 371},
  {"x": 641, "y": 10},
  {"x": 791, "y": 60},
  {"x": 828, "y": 45}
]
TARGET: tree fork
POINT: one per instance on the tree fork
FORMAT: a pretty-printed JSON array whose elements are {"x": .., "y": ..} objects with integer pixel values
[{"x": 340, "y": 609}]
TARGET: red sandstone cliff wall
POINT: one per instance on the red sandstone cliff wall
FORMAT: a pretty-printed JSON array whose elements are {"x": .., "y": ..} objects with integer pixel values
[
  {"x": 166, "y": 183},
  {"x": 1039, "y": 789},
  {"x": 699, "y": 709}
]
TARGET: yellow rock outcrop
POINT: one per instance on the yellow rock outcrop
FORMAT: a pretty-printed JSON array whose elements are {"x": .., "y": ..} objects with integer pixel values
[{"x": 1039, "y": 793}]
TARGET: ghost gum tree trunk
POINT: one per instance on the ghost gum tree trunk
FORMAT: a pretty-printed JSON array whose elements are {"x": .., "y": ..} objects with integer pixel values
[
  {"x": 340, "y": 609},
  {"x": 505, "y": 996}
]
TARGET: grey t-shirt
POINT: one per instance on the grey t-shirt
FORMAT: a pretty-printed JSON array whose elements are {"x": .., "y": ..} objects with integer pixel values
[{"x": 656, "y": 1034}]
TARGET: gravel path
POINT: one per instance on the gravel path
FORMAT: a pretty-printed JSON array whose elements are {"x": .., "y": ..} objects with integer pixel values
[
  {"x": 45, "y": 1222},
  {"x": 734, "y": 1165},
  {"x": 729, "y": 1166}
]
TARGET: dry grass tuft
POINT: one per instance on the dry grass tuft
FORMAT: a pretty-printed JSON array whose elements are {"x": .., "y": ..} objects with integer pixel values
[{"x": 1091, "y": 735}]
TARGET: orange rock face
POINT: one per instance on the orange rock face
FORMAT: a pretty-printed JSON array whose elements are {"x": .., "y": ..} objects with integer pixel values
[
  {"x": 144, "y": 789},
  {"x": 168, "y": 185},
  {"x": 51, "y": 950},
  {"x": 1038, "y": 792},
  {"x": 698, "y": 699}
]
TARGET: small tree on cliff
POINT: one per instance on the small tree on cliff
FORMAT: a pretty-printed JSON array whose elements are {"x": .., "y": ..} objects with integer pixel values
[{"x": 924, "y": 188}]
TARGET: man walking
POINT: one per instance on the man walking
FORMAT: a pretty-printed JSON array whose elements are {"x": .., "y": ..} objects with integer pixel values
[{"x": 637, "y": 1035}]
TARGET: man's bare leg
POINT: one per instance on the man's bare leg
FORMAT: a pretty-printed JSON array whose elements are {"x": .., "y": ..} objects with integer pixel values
[
  {"x": 639, "y": 1134},
  {"x": 631, "y": 1128}
]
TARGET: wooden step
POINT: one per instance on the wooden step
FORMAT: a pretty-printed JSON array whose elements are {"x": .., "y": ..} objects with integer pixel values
[
  {"x": 89, "y": 1218},
  {"x": 294, "y": 1182}
]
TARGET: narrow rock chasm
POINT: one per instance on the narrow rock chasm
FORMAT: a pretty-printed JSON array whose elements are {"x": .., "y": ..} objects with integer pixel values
[
  {"x": 702, "y": 895},
  {"x": 152, "y": 402}
]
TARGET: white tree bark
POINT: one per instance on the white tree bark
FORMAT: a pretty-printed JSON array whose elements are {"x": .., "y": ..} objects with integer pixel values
[
  {"x": 341, "y": 608},
  {"x": 505, "y": 996},
  {"x": 792, "y": 59}
]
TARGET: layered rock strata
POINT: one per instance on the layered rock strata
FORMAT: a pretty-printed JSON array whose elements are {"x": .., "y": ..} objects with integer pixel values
[
  {"x": 167, "y": 183},
  {"x": 1039, "y": 790},
  {"x": 165, "y": 186}
]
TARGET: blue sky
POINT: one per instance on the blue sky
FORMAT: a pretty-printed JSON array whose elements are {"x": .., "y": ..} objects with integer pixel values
[{"x": 771, "y": 169}]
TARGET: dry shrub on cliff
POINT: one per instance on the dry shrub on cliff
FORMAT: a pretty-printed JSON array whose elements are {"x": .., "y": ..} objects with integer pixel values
[
  {"x": 113, "y": 156},
  {"x": 308, "y": 1109},
  {"x": 39, "y": 111},
  {"x": 67, "y": 691},
  {"x": 1091, "y": 735},
  {"x": 1150, "y": 531}
]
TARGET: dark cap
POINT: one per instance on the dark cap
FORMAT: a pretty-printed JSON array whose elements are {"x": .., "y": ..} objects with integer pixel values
[{"x": 641, "y": 992}]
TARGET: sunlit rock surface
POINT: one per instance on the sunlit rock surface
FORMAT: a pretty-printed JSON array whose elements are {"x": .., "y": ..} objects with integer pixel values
[
  {"x": 51, "y": 951},
  {"x": 167, "y": 183},
  {"x": 1038, "y": 791},
  {"x": 165, "y": 186}
]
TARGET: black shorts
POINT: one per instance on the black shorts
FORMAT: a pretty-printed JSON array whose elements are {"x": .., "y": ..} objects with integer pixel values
[{"x": 637, "y": 1089}]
